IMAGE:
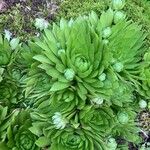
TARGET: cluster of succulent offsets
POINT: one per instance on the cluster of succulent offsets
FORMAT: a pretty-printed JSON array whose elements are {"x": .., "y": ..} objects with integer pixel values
[
  {"x": 80, "y": 85},
  {"x": 90, "y": 72}
]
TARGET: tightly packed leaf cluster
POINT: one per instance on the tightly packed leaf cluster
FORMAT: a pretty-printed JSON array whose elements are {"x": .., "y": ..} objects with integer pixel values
[
  {"x": 77, "y": 86},
  {"x": 136, "y": 10}
]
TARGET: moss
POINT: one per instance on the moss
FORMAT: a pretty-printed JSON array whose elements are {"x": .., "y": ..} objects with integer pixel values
[
  {"x": 139, "y": 11},
  {"x": 72, "y": 8},
  {"x": 19, "y": 17},
  {"x": 15, "y": 21}
]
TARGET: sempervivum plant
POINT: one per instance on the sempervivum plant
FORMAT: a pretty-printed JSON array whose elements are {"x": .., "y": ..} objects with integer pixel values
[
  {"x": 11, "y": 90},
  {"x": 8, "y": 76},
  {"x": 18, "y": 136},
  {"x": 82, "y": 81},
  {"x": 7, "y": 49},
  {"x": 5, "y": 118},
  {"x": 5, "y": 55},
  {"x": 92, "y": 67},
  {"x": 66, "y": 136},
  {"x": 145, "y": 74}
]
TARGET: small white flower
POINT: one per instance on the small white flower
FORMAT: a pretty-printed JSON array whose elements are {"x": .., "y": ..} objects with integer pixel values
[
  {"x": 102, "y": 77},
  {"x": 106, "y": 32},
  {"x": 97, "y": 100},
  {"x": 8, "y": 34},
  {"x": 59, "y": 121},
  {"x": 142, "y": 104},
  {"x": 69, "y": 74},
  {"x": 41, "y": 23}
]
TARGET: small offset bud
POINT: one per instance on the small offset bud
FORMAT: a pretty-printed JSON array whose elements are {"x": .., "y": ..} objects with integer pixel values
[
  {"x": 123, "y": 117},
  {"x": 41, "y": 23},
  {"x": 112, "y": 144},
  {"x": 142, "y": 104},
  {"x": 81, "y": 63},
  {"x": 119, "y": 16},
  {"x": 69, "y": 74},
  {"x": 16, "y": 74},
  {"x": 97, "y": 100},
  {"x": 105, "y": 41},
  {"x": 59, "y": 121},
  {"x": 118, "y": 66},
  {"x": 106, "y": 32},
  {"x": 118, "y": 4},
  {"x": 8, "y": 34},
  {"x": 113, "y": 60},
  {"x": 102, "y": 77},
  {"x": 60, "y": 52}
]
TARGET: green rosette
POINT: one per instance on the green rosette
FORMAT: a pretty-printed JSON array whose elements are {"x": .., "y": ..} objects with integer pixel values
[
  {"x": 125, "y": 125},
  {"x": 59, "y": 132},
  {"x": 5, "y": 50},
  {"x": 71, "y": 139},
  {"x": 70, "y": 60},
  {"x": 122, "y": 94},
  {"x": 5, "y": 55},
  {"x": 5, "y": 118},
  {"x": 91, "y": 64},
  {"x": 101, "y": 119},
  {"x": 18, "y": 137},
  {"x": 145, "y": 76},
  {"x": 11, "y": 93}
]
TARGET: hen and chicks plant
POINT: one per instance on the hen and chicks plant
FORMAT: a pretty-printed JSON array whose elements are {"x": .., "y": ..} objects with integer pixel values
[
  {"x": 94, "y": 66},
  {"x": 84, "y": 80}
]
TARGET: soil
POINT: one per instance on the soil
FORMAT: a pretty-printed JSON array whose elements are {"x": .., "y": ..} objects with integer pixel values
[{"x": 25, "y": 11}]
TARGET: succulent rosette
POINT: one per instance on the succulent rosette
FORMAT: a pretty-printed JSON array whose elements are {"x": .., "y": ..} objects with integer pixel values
[
  {"x": 5, "y": 55},
  {"x": 5, "y": 51},
  {"x": 71, "y": 139},
  {"x": 11, "y": 93},
  {"x": 65, "y": 101},
  {"x": 78, "y": 85},
  {"x": 100, "y": 119},
  {"x": 5, "y": 119},
  {"x": 125, "y": 119},
  {"x": 3, "y": 127},
  {"x": 9, "y": 75},
  {"x": 123, "y": 94},
  {"x": 81, "y": 81},
  {"x": 37, "y": 83},
  {"x": 123, "y": 58},
  {"x": 18, "y": 137},
  {"x": 127, "y": 54},
  {"x": 95, "y": 64},
  {"x": 64, "y": 136},
  {"x": 75, "y": 61},
  {"x": 145, "y": 76}
]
